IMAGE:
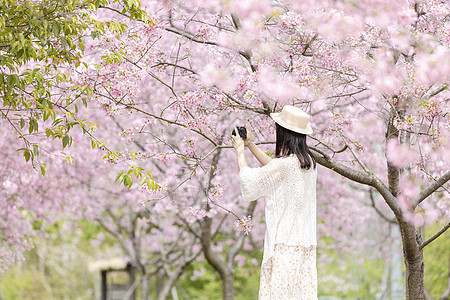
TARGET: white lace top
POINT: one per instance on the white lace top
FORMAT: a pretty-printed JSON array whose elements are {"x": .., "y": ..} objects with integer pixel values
[{"x": 290, "y": 194}]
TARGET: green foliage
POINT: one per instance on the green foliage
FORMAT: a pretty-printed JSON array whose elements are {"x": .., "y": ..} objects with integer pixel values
[
  {"x": 247, "y": 280},
  {"x": 57, "y": 268},
  {"x": 28, "y": 284},
  {"x": 126, "y": 178},
  {"x": 436, "y": 256},
  {"x": 39, "y": 40},
  {"x": 356, "y": 277},
  {"x": 209, "y": 286}
]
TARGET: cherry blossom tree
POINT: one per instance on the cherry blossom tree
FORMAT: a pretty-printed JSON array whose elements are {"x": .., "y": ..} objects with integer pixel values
[
  {"x": 158, "y": 230},
  {"x": 38, "y": 40},
  {"x": 372, "y": 74},
  {"x": 168, "y": 228},
  {"x": 367, "y": 73}
]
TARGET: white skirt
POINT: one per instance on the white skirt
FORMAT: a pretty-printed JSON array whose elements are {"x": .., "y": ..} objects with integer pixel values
[{"x": 290, "y": 274}]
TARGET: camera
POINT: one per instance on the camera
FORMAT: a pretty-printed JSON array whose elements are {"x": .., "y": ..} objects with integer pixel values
[{"x": 242, "y": 132}]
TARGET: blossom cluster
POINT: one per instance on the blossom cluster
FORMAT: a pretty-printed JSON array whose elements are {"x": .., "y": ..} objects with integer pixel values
[
  {"x": 244, "y": 224},
  {"x": 197, "y": 212}
]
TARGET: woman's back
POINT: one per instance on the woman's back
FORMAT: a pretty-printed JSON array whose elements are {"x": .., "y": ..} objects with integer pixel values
[
  {"x": 294, "y": 203},
  {"x": 290, "y": 193}
]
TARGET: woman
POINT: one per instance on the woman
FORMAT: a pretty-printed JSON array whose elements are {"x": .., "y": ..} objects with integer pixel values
[{"x": 288, "y": 182}]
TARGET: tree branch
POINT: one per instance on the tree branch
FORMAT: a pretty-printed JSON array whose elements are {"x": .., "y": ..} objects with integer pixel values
[
  {"x": 121, "y": 242},
  {"x": 263, "y": 111},
  {"x": 363, "y": 166},
  {"x": 368, "y": 179},
  {"x": 431, "y": 188},
  {"x": 246, "y": 54},
  {"x": 189, "y": 36},
  {"x": 437, "y": 91},
  {"x": 329, "y": 147},
  {"x": 170, "y": 122},
  {"x": 435, "y": 236},
  {"x": 212, "y": 257}
]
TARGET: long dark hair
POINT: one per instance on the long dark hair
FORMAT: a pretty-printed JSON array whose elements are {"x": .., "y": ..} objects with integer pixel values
[{"x": 290, "y": 142}]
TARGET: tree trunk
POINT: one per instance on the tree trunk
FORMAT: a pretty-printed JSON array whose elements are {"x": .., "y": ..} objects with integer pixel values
[
  {"x": 163, "y": 293},
  {"x": 144, "y": 288},
  {"x": 228, "y": 286},
  {"x": 224, "y": 269},
  {"x": 414, "y": 263},
  {"x": 159, "y": 284},
  {"x": 414, "y": 276}
]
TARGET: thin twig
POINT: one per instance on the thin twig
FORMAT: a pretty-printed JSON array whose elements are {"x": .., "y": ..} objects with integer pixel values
[
  {"x": 431, "y": 188},
  {"x": 435, "y": 236}
]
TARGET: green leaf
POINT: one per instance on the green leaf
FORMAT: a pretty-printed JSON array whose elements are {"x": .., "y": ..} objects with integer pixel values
[
  {"x": 22, "y": 39},
  {"x": 118, "y": 176},
  {"x": 49, "y": 132},
  {"x": 57, "y": 121},
  {"x": 43, "y": 170},
  {"x": 65, "y": 141},
  {"x": 27, "y": 155},
  {"x": 151, "y": 184},
  {"x": 36, "y": 150},
  {"x": 33, "y": 125},
  {"x": 37, "y": 224},
  {"x": 128, "y": 181},
  {"x": 46, "y": 115}
]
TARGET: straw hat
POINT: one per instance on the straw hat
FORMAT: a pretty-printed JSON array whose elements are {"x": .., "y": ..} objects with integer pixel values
[{"x": 293, "y": 118}]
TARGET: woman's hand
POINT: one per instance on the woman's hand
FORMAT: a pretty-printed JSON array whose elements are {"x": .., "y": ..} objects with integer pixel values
[
  {"x": 249, "y": 135},
  {"x": 237, "y": 141},
  {"x": 238, "y": 144}
]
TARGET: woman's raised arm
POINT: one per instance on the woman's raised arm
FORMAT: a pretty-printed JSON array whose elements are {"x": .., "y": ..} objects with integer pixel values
[{"x": 260, "y": 155}]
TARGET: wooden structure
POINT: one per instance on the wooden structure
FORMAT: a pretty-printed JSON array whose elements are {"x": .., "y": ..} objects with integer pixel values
[{"x": 111, "y": 290}]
